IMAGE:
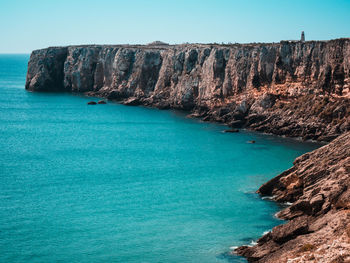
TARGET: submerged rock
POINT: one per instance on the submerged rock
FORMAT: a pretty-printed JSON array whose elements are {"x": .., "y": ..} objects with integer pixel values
[
  {"x": 91, "y": 103},
  {"x": 231, "y": 130}
]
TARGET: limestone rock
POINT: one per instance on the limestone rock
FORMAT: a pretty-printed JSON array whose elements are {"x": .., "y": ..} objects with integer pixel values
[
  {"x": 297, "y": 89},
  {"x": 319, "y": 219},
  {"x": 289, "y": 88}
]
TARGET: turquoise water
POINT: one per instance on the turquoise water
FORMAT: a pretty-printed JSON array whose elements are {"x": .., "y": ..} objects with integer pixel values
[{"x": 112, "y": 183}]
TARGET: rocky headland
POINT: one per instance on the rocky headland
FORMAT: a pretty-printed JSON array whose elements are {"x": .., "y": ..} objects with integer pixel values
[
  {"x": 291, "y": 88},
  {"x": 298, "y": 89}
]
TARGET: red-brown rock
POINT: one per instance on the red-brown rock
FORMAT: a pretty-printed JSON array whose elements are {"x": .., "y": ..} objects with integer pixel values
[
  {"x": 288, "y": 88},
  {"x": 319, "y": 219}
]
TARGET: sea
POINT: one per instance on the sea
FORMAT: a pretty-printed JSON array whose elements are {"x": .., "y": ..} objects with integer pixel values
[{"x": 115, "y": 183}]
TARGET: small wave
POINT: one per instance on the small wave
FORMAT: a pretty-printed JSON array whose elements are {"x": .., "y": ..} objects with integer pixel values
[
  {"x": 244, "y": 191},
  {"x": 233, "y": 247},
  {"x": 268, "y": 197},
  {"x": 276, "y": 216},
  {"x": 266, "y": 232},
  {"x": 253, "y": 243}
]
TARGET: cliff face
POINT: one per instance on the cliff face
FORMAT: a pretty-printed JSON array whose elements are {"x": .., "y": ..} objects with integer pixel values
[
  {"x": 318, "y": 230},
  {"x": 289, "y": 88}
]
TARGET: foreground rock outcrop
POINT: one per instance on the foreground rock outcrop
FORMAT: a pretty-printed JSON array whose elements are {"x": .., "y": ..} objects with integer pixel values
[
  {"x": 318, "y": 227},
  {"x": 299, "y": 89}
]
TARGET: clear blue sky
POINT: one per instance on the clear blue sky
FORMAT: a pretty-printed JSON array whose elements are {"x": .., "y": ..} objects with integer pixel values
[{"x": 32, "y": 24}]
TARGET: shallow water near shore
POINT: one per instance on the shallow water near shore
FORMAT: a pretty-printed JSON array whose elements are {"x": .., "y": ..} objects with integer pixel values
[{"x": 112, "y": 183}]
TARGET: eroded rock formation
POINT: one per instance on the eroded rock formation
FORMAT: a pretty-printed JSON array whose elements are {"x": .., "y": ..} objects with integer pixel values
[
  {"x": 298, "y": 89},
  {"x": 288, "y": 88},
  {"x": 318, "y": 230}
]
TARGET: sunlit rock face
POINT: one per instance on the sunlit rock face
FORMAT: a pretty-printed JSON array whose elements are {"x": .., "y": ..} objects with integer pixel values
[
  {"x": 318, "y": 189},
  {"x": 297, "y": 89},
  {"x": 287, "y": 88}
]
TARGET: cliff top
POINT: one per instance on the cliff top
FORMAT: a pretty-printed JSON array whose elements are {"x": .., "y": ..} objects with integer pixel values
[{"x": 158, "y": 45}]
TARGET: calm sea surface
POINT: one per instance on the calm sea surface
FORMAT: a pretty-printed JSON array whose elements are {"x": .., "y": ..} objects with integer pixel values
[{"x": 112, "y": 183}]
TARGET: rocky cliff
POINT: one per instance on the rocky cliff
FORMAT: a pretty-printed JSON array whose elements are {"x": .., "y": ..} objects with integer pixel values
[
  {"x": 318, "y": 230},
  {"x": 299, "y": 89},
  {"x": 288, "y": 88}
]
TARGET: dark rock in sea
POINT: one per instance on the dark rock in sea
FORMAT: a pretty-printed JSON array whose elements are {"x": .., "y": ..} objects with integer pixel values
[
  {"x": 91, "y": 103},
  {"x": 252, "y": 141},
  {"x": 101, "y": 102},
  {"x": 231, "y": 130}
]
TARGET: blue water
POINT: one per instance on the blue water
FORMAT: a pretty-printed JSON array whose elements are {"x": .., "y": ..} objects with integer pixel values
[{"x": 112, "y": 183}]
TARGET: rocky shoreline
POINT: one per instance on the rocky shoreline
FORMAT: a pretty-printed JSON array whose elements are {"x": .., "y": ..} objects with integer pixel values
[
  {"x": 318, "y": 227},
  {"x": 296, "y": 89}
]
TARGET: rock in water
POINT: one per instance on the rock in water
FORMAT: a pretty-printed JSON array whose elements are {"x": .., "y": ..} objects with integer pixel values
[
  {"x": 231, "y": 130},
  {"x": 91, "y": 103},
  {"x": 101, "y": 102}
]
